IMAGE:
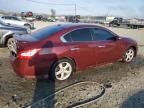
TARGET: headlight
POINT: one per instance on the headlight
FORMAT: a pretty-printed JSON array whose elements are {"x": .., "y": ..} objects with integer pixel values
[{"x": 28, "y": 31}]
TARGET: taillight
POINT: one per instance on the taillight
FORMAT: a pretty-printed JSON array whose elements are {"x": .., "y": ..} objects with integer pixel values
[{"x": 27, "y": 54}]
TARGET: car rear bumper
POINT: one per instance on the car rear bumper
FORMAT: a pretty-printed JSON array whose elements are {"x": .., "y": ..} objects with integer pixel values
[{"x": 27, "y": 69}]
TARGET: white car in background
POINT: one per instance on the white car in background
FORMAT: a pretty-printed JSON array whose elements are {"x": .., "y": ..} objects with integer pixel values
[{"x": 16, "y": 21}]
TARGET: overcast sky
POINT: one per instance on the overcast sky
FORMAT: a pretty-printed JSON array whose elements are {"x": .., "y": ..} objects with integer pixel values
[{"x": 124, "y": 8}]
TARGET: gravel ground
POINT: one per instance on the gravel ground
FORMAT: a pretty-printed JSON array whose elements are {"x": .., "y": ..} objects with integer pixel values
[{"x": 127, "y": 89}]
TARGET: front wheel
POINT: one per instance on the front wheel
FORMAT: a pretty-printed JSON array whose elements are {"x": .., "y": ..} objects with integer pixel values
[
  {"x": 62, "y": 70},
  {"x": 129, "y": 55}
]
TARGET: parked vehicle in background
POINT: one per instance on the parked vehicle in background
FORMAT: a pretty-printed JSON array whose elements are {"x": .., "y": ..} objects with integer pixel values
[
  {"x": 30, "y": 19},
  {"x": 39, "y": 17},
  {"x": 7, "y": 32},
  {"x": 131, "y": 23},
  {"x": 26, "y": 14},
  {"x": 116, "y": 22},
  {"x": 73, "y": 19},
  {"x": 17, "y": 21},
  {"x": 108, "y": 20},
  {"x": 44, "y": 18},
  {"x": 58, "y": 51},
  {"x": 51, "y": 20}
]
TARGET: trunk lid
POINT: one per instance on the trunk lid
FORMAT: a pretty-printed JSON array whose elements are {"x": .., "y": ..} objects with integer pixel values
[{"x": 22, "y": 42}]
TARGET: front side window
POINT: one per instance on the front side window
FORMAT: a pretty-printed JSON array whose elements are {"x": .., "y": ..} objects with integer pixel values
[
  {"x": 81, "y": 35},
  {"x": 101, "y": 34},
  {"x": 15, "y": 18},
  {"x": 3, "y": 17},
  {"x": 7, "y": 17}
]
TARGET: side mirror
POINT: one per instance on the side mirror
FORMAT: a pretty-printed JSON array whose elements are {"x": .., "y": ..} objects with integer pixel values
[{"x": 115, "y": 38}]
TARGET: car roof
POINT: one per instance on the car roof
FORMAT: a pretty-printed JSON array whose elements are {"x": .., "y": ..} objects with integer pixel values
[
  {"x": 71, "y": 26},
  {"x": 80, "y": 25},
  {"x": 9, "y": 16},
  {"x": 75, "y": 25}
]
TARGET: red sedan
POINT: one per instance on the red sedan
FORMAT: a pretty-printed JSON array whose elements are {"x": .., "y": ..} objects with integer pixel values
[{"x": 58, "y": 51}]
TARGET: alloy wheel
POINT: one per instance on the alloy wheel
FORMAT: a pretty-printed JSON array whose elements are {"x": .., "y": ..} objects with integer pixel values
[
  {"x": 63, "y": 71},
  {"x": 11, "y": 44},
  {"x": 129, "y": 55}
]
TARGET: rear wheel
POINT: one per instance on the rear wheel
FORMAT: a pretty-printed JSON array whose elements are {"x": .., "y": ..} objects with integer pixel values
[
  {"x": 10, "y": 42},
  {"x": 129, "y": 55},
  {"x": 62, "y": 70}
]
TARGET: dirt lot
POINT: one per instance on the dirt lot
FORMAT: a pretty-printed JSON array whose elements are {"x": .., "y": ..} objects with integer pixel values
[{"x": 127, "y": 89}]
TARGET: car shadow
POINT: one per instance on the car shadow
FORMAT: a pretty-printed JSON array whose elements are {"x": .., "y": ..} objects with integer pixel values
[
  {"x": 43, "y": 87},
  {"x": 134, "y": 101}
]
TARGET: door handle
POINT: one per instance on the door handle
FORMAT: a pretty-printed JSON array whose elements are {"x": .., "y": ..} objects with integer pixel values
[
  {"x": 101, "y": 46},
  {"x": 74, "y": 49}
]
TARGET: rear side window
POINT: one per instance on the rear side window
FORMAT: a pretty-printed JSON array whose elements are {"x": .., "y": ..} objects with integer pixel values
[
  {"x": 81, "y": 35},
  {"x": 14, "y": 18},
  {"x": 68, "y": 38},
  {"x": 101, "y": 34},
  {"x": 46, "y": 32}
]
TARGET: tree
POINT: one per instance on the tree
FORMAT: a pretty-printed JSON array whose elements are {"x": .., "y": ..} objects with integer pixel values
[{"x": 53, "y": 13}]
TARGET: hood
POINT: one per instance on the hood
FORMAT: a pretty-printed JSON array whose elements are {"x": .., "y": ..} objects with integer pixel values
[
  {"x": 16, "y": 26},
  {"x": 13, "y": 27}
]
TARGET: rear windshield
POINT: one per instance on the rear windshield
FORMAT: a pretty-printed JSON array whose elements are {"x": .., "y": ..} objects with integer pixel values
[{"x": 46, "y": 32}]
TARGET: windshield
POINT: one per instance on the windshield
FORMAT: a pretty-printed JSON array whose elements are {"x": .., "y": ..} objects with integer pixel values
[{"x": 46, "y": 32}]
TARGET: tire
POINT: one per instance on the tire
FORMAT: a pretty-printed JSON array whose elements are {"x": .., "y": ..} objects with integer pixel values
[
  {"x": 58, "y": 71},
  {"x": 9, "y": 42},
  {"x": 129, "y": 55}
]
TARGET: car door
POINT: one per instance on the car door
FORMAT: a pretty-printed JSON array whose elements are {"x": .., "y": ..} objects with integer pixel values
[
  {"x": 80, "y": 47},
  {"x": 1, "y": 33},
  {"x": 2, "y": 29},
  {"x": 8, "y": 20},
  {"x": 107, "y": 47}
]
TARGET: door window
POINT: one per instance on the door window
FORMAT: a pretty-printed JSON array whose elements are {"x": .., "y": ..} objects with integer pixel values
[
  {"x": 101, "y": 34},
  {"x": 81, "y": 35}
]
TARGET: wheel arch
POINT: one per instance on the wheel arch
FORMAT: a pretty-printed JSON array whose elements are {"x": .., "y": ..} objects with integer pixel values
[
  {"x": 6, "y": 37},
  {"x": 71, "y": 59},
  {"x": 68, "y": 58},
  {"x": 135, "y": 48},
  {"x": 26, "y": 24}
]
